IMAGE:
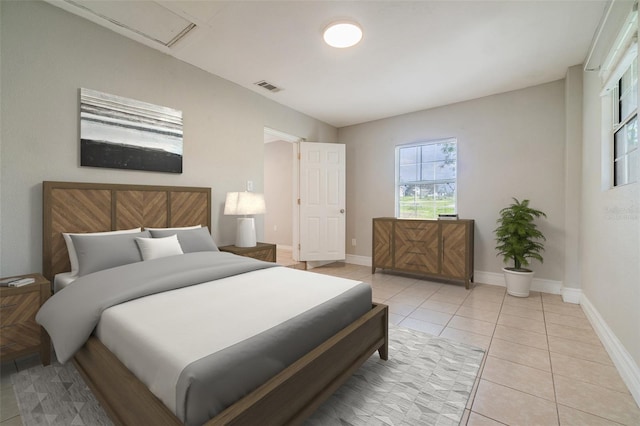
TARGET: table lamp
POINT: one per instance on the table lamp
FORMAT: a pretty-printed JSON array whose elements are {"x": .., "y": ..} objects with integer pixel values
[{"x": 245, "y": 203}]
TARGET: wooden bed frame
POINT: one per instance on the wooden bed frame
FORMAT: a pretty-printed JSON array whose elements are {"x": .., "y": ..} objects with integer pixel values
[{"x": 287, "y": 398}]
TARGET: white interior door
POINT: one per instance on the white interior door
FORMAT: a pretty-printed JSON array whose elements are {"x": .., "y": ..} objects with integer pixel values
[{"x": 322, "y": 201}]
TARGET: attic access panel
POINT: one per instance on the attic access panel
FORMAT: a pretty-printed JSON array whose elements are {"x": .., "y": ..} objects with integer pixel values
[{"x": 146, "y": 18}]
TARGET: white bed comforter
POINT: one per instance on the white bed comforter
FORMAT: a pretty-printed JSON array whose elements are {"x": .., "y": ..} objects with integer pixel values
[{"x": 157, "y": 336}]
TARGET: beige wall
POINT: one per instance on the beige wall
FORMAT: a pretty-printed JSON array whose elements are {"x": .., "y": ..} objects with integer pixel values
[
  {"x": 48, "y": 54},
  {"x": 572, "y": 176},
  {"x": 509, "y": 145},
  {"x": 513, "y": 144},
  {"x": 278, "y": 192},
  {"x": 610, "y": 228}
]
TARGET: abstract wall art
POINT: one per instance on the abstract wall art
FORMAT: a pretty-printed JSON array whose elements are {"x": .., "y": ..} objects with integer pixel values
[{"x": 122, "y": 133}]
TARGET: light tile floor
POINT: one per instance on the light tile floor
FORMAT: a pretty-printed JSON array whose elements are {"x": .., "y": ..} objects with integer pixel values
[
  {"x": 544, "y": 365},
  {"x": 285, "y": 258},
  {"x": 9, "y": 413}
]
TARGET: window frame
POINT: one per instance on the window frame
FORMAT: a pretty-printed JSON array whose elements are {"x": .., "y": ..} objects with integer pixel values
[
  {"x": 397, "y": 172},
  {"x": 620, "y": 123},
  {"x": 621, "y": 56}
]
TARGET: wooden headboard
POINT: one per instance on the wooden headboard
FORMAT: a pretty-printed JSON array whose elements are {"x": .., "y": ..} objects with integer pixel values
[{"x": 98, "y": 207}]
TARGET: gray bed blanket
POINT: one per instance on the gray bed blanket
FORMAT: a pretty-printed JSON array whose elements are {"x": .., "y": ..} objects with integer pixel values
[
  {"x": 209, "y": 385},
  {"x": 71, "y": 315}
]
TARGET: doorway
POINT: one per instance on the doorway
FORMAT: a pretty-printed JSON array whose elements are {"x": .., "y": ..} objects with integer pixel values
[
  {"x": 280, "y": 155},
  {"x": 304, "y": 185}
]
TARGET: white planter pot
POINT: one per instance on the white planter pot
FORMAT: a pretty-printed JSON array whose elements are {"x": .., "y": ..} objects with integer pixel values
[{"x": 518, "y": 283}]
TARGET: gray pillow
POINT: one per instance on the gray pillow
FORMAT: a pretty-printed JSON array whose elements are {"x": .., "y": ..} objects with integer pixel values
[
  {"x": 191, "y": 240},
  {"x": 96, "y": 253}
]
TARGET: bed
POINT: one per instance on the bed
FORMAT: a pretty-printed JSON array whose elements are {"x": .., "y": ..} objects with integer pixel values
[{"x": 286, "y": 398}]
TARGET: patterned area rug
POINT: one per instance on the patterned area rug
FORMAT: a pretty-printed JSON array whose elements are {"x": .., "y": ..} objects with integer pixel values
[{"x": 426, "y": 381}]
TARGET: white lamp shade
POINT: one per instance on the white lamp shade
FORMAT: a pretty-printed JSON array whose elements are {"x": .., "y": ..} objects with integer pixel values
[{"x": 243, "y": 203}]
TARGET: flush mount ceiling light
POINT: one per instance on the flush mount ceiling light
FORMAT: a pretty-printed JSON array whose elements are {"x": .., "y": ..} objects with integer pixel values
[{"x": 342, "y": 34}]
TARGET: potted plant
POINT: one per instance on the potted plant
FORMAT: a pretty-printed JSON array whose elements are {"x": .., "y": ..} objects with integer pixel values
[{"x": 519, "y": 240}]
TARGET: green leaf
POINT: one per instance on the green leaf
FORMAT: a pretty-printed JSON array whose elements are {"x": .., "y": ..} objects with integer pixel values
[{"x": 517, "y": 236}]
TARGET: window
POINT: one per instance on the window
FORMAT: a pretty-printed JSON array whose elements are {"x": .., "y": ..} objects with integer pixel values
[
  {"x": 626, "y": 161},
  {"x": 426, "y": 179},
  {"x": 619, "y": 74}
]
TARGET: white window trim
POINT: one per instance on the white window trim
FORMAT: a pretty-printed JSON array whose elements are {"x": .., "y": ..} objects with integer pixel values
[
  {"x": 620, "y": 49},
  {"x": 397, "y": 169},
  {"x": 620, "y": 57},
  {"x": 611, "y": 81}
]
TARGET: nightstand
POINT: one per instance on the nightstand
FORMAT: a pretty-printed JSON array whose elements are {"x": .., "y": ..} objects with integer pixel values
[
  {"x": 262, "y": 251},
  {"x": 19, "y": 333}
]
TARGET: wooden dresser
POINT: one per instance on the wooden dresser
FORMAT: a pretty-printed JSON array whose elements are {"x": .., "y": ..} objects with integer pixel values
[
  {"x": 436, "y": 248},
  {"x": 262, "y": 251},
  {"x": 19, "y": 333}
]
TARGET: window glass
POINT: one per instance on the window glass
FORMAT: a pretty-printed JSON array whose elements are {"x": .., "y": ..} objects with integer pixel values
[
  {"x": 628, "y": 88},
  {"x": 633, "y": 171},
  {"x": 632, "y": 134},
  {"x": 409, "y": 155},
  {"x": 426, "y": 176},
  {"x": 625, "y": 130},
  {"x": 409, "y": 173}
]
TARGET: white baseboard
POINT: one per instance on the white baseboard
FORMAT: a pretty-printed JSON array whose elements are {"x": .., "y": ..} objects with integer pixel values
[
  {"x": 538, "y": 284},
  {"x": 491, "y": 278},
  {"x": 571, "y": 295},
  {"x": 494, "y": 278},
  {"x": 628, "y": 369},
  {"x": 358, "y": 260},
  {"x": 281, "y": 247}
]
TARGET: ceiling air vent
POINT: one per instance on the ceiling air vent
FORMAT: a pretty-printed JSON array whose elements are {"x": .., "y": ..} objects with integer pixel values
[{"x": 270, "y": 87}]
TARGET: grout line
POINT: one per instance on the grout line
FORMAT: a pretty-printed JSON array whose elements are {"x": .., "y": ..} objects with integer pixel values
[
  {"x": 13, "y": 397},
  {"x": 546, "y": 332},
  {"x": 591, "y": 414},
  {"x": 519, "y": 363},
  {"x": 479, "y": 378},
  {"x": 524, "y": 392},
  {"x": 6, "y": 421},
  {"x": 487, "y": 417},
  {"x": 553, "y": 376},
  {"x": 592, "y": 384},
  {"x": 486, "y": 355}
]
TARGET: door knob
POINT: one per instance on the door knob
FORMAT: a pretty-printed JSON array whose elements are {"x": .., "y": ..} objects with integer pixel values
[{"x": 341, "y": 210}]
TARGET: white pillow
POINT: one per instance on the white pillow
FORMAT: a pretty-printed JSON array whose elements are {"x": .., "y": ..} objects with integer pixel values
[
  {"x": 73, "y": 256},
  {"x": 153, "y": 248},
  {"x": 173, "y": 229}
]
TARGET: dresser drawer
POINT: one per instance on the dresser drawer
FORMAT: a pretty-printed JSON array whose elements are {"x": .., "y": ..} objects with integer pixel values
[
  {"x": 415, "y": 225},
  {"x": 267, "y": 255},
  {"x": 18, "y": 337},
  {"x": 19, "y": 308},
  {"x": 416, "y": 246},
  {"x": 437, "y": 248},
  {"x": 261, "y": 251}
]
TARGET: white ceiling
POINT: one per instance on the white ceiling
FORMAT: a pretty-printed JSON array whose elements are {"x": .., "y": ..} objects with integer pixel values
[{"x": 413, "y": 56}]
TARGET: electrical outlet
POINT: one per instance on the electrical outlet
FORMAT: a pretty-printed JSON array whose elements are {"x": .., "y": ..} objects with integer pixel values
[
  {"x": 249, "y": 185},
  {"x": 275, "y": 228},
  {"x": 353, "y": 242}
]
